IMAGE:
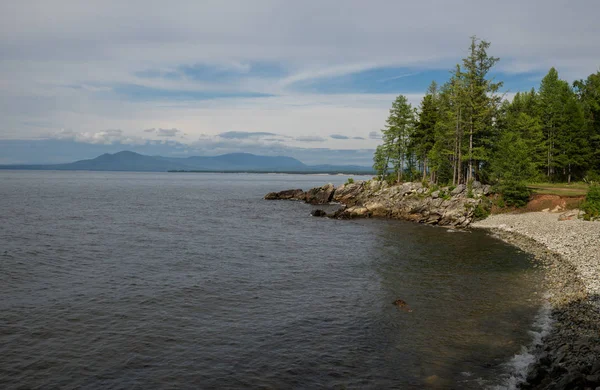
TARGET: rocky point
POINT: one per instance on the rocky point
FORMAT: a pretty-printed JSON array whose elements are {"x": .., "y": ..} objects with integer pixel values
[{"x": 411, "y": 201}]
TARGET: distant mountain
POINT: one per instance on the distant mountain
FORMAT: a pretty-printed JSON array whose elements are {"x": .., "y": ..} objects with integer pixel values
[
  {"x": 240, "y": 161},
  {"x": 233, "y": 162}
]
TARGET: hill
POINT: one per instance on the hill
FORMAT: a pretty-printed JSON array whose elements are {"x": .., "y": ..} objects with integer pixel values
[{"x": 233, "y": 162}]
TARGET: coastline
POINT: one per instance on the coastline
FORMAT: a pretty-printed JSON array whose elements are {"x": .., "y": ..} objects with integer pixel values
[{"x": 568, "y": 355}]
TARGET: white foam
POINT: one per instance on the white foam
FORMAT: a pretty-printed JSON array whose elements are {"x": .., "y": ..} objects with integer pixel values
[{"x": 519, "y": 365}]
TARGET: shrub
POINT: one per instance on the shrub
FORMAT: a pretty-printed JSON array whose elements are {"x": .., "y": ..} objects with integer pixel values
[
  {"x": 514, "y": 193},
  {"x": 483, "y": 209},
  {"x": 391, "y": 178},
  {"x": 591, "y": 204},
  {"x": 350, "y": 181},
  {"x": 500, "y": 203}
]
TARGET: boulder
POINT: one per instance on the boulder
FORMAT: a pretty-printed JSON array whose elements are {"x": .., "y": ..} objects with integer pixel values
[
  {"x": 571, "y": 214},
  {"x": 320, "y": 195},
  {"x": 318, "y": 213},
  {"x": 348, "y": 194},
  {"x": 458, "y": 190},
  {"x": 286, "y": 195}
]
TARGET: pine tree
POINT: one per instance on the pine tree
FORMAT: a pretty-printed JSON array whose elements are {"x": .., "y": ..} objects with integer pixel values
[
  {"x": 588, "y": 93},
  {"x": 423, "y": 138},
  {"x": 396, "y": 135},
  {"x": 482, "y": 103}
]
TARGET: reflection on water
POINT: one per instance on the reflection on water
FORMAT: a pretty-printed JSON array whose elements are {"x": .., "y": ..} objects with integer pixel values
[{"x": 192, "y": 280}]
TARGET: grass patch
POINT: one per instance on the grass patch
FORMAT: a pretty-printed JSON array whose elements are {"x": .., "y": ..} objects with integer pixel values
[{"x": 560, "y": 189}]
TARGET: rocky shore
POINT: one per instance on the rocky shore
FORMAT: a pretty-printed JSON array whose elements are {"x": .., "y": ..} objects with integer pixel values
[
  {"x": 569, "y": 250},
  {"x": 411, "y": 201}
]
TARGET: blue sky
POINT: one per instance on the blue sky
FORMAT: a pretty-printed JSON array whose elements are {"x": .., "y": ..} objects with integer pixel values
[{"x": 310, "y": 79}]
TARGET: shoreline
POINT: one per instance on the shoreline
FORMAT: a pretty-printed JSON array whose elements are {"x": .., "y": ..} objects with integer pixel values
[{"x": 569, "y": 252}]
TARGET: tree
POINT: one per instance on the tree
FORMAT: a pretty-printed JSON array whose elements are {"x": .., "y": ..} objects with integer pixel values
[
  {"x": 481, "y": 103},
  {"x": 423, "y": 137},
  {"x": 511, "y": 167},
  {"x": 396, "y": 135},
  {"x": 553, "y": 94},
  {"x": 381, "y": 161},
  {"x": 588, "y": 93}
]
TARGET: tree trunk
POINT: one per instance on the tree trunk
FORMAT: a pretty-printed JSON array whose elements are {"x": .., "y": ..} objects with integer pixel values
[{"x": 470, "y": 173}]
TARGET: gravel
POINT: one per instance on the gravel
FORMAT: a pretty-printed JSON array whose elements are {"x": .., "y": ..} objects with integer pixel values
[
  {"x": 577, "y": 241},
  {"x": 569, "y": 251}
]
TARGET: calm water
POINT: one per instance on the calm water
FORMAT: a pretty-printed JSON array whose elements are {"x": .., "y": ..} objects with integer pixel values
[{"x": 145, "y": 280}]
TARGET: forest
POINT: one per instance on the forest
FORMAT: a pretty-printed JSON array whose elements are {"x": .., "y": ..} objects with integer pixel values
[{"x": 467, "y": 130}]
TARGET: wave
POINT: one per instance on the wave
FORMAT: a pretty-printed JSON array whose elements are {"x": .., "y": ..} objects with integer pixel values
[{"x": 518, "y": 367}]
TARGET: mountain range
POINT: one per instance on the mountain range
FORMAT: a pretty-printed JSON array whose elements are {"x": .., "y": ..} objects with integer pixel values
[{"x": 232, "y": 162}]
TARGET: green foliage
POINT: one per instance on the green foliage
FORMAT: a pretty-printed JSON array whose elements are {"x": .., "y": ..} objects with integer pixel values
[
  {"x": 446, "y": 195},
  {"x": 591, "y": 204},
  {"x": 463, "y": 130},
  {"x": 514, "y": 193},
  {"x": 500, "y": 202},
  {"x": 350, "y": 181},
  {"x": 470, "y": 188},
  {"x": 391, "y": 179},
  {"x": 483, "y": 209},
  {"x": 512, "y": 161}
]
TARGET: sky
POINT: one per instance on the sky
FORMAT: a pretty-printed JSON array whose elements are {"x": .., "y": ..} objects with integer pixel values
[{"x": 308, "y": 79}]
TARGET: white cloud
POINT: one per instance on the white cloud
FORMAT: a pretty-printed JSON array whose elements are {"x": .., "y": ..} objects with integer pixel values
[
  {"x": 163, "y": 132},
  {"x": 105, "y": 137}
]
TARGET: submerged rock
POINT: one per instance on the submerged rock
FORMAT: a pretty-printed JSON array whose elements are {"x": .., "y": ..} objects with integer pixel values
[{"x": 318, "y": 213}]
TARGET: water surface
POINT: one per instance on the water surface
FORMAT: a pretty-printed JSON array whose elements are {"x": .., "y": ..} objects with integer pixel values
[{"x": 149, "y": 280}]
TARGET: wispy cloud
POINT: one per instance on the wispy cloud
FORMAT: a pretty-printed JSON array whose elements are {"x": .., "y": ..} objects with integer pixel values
[
  {"x": 339, "y": 136},
  {"x": 285, "y": 69},
  {"x": 245, "y": 134},
  {"x": 310, "y": 138},
  {"x": 164, "y": 132}
]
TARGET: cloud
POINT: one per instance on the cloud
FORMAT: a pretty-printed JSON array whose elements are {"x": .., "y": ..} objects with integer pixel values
[
  {"x": 310, "y": 138},
  {"x": 278, "y": 68},
  {"x": 163, "y": 132},
  {"x": 245, "y": 134},
  {"x": 360, "y": 138},
  {"x": 375, "y": 135},
  {"x": 339, "y": 136},
  {"x": 105, "y": 137}
]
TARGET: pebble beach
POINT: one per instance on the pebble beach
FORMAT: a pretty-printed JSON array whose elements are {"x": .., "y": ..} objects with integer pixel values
[{"x": 569, "y": 252}]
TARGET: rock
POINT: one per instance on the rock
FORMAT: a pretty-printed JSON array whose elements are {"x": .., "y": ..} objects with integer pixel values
[
  {"x": 487, "y": 189},
  {"x": 407, "y": 201},
  {"x": 536, "y": 375},
  {"x": 286, "y": 195},
  {"x": 320, "y": 195},
  {"x": 458, "y": 190},
  {"x": 593, "y": 379},
  {"x": 476, "y": 185},
  {"x": 572, "y": 380},
  {"x": 318, "y": 213},
  {"x": 353, "y": 212},
  {"x": 569, "y": 215},
  {"x": 348, "y": 194}
]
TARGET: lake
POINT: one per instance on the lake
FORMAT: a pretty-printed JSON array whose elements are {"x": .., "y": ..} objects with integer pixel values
[{"x": 181, "y": 280}]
